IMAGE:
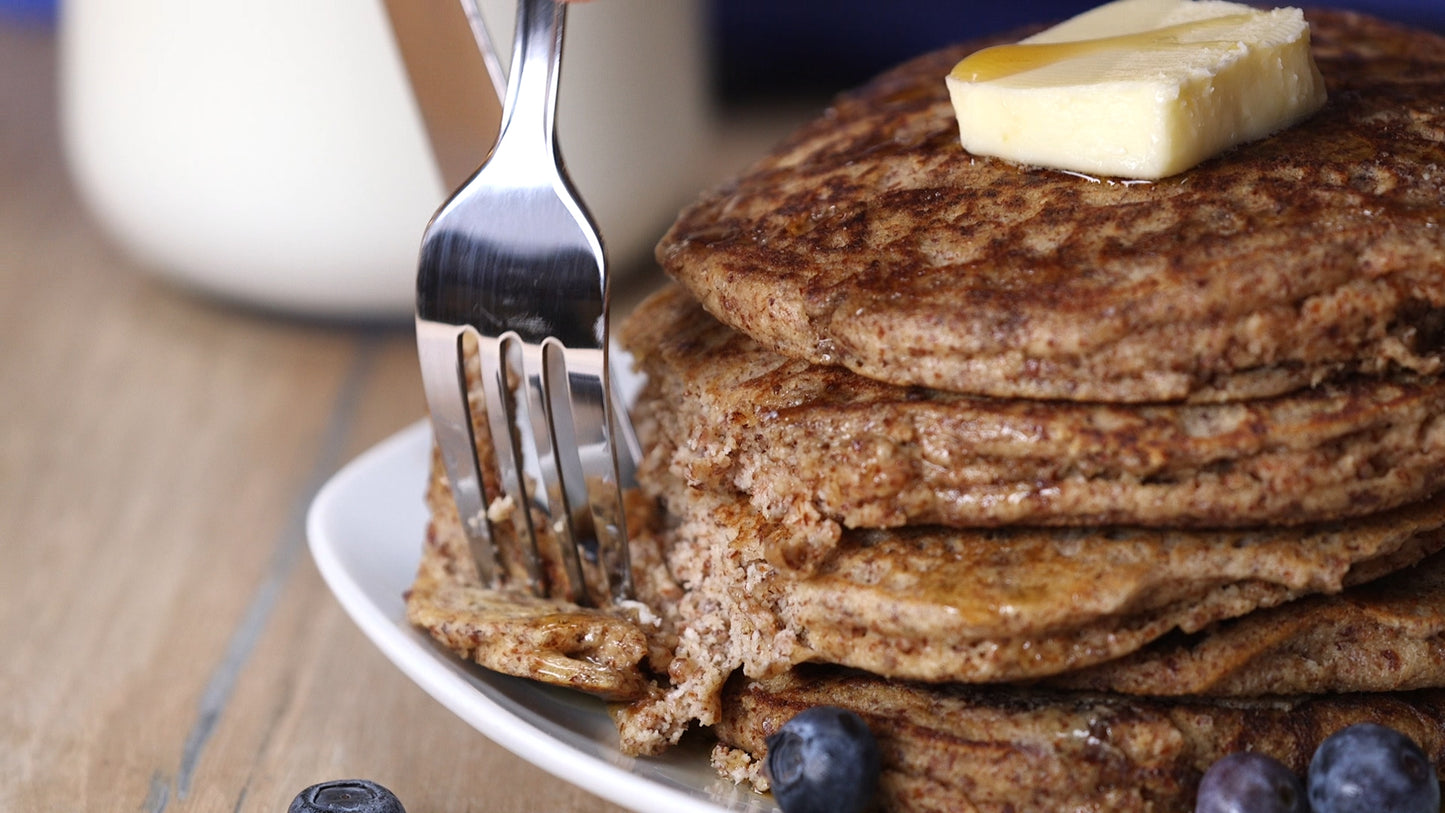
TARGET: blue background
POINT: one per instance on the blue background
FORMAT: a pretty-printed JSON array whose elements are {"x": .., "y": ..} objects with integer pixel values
[
  {"x": 789, "y": 47},
  {"x": 793, "y": 47},
  {"x": 28, "y": 10}
]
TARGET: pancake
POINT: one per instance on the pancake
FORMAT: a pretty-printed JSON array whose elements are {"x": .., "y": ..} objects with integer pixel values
[
  {"x": 818, "y": 448},
  {"x": 871, "y": 239},
  {"x": 508, "y": 630},
  {"x": 988, "y": 605},
  {"x": 1383, "y": 635},
  {"x": 1393, "y": 629},
  {"x": 1008, "y": 749},
  {"x": 979, "y": 605}
]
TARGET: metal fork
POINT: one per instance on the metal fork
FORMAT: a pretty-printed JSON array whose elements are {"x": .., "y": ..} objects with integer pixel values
[{"x": 514, "y": 261}]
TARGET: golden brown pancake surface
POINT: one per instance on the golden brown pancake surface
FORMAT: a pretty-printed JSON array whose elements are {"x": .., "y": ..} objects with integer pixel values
[{"x": 872, "y": 239}]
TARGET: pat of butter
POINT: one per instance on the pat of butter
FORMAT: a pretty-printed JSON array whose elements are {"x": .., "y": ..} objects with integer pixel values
[{"x": 1139, "y": 88}]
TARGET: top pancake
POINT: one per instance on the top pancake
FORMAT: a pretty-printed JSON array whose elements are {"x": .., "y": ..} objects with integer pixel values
[{"x": 871, "y": 239}]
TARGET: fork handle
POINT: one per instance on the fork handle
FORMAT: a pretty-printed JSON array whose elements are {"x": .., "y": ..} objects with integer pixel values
[{"x": 531, "y": 98}]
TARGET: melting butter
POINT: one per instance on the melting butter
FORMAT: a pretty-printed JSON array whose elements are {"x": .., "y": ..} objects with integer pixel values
[
  {"x": 1005, "y": 60},
  {"x": 1139, "y": 89}
]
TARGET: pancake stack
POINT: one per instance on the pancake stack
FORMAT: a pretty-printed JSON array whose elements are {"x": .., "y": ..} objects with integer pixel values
[
  {"x": 942, "y": 423},
  {"x": 1069, "y": 486}
]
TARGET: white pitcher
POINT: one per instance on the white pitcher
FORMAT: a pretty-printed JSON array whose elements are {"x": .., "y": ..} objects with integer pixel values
[{"x": 271, "y": 151}]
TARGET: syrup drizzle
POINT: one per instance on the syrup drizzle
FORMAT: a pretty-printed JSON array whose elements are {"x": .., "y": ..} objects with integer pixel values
[{"x": 1006, "y": 60}]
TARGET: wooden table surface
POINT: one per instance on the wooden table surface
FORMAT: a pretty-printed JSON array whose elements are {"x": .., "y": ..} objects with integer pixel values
[{"x": 166, "y": 643}]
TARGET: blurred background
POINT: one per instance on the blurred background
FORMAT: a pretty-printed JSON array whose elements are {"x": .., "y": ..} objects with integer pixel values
[
  {"x": 272, "y": 153},
  {"x": 811, "y": 45}
]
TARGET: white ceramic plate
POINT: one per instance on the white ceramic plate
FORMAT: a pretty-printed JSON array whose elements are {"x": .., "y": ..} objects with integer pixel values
[{"x": 365, "y": 530}]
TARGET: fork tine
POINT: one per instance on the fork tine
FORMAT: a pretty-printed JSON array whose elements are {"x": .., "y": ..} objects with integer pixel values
[
  {"x": 584, "y": 445},
  {"x": 542, "y": 365},
  {"x": 626, "y": 447},
  {"x": 502, "y": 378},
  {"x": 441, "y": 356},
  {"x": 621, "y": 454}
]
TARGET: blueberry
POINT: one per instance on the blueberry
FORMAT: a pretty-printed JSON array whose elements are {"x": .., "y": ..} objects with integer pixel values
[
  {"x": 824, "y": 760},
  {"x": 346, "y": 796},
  {"x": 1369, "y": 768},
  {"x": 1248, "y": 782}
]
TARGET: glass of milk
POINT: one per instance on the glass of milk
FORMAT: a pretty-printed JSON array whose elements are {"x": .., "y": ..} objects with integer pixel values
[{"x": 271, "y": 152}]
